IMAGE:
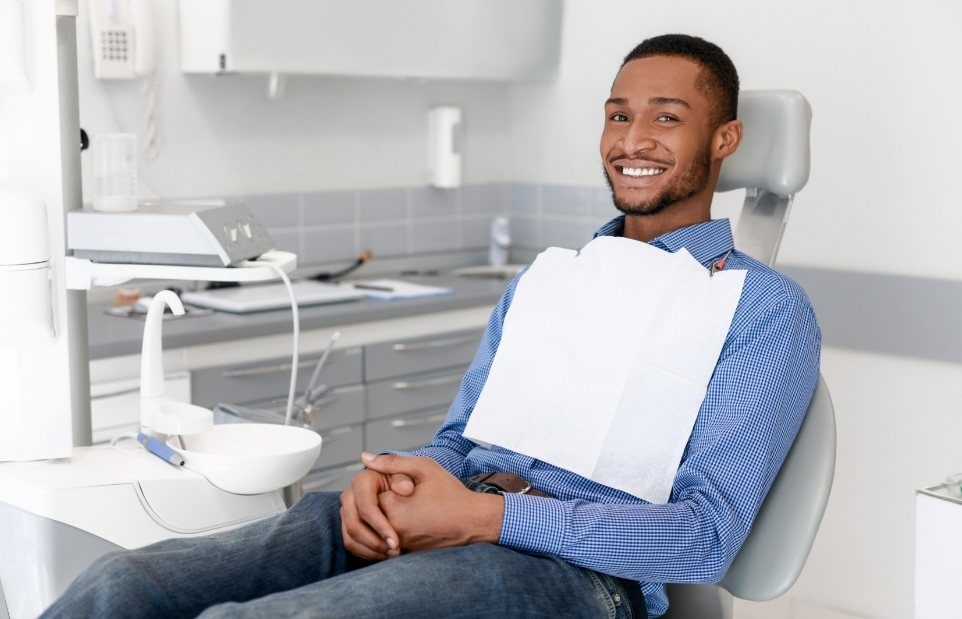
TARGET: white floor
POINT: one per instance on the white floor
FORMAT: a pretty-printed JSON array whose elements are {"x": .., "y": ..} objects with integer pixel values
[{"x": 786, "y": 607}]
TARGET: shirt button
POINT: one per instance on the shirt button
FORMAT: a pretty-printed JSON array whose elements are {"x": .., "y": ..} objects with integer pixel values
[{"x": 617, "y": 599}]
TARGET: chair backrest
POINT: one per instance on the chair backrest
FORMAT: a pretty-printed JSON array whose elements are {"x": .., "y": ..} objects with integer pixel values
[
  {"x": 771, "y": 164},
  {"x": 774, "y": 154},
  {"x": 775, "y": 551}
]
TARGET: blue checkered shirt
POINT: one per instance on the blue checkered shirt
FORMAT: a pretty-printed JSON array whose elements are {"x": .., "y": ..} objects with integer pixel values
[{"x": 756, "y": 399}]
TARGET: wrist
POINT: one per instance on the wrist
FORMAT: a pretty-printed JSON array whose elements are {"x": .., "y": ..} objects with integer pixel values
[{"x": 488, "y": 512}]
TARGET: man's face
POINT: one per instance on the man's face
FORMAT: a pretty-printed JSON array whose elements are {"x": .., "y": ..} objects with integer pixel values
[{"x": 657, "y": 137}]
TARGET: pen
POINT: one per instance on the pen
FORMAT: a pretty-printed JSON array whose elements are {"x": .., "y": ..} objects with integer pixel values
[
  {"x": 160, "y": 450},
  {"x": 372, "y": 287}
]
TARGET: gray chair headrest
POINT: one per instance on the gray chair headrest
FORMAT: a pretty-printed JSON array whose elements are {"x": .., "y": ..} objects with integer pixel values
[{"x": 774, "y": 153}]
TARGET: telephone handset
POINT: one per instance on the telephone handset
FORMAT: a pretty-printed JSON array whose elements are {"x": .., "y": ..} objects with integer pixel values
[{"x": 122, "y": 32}]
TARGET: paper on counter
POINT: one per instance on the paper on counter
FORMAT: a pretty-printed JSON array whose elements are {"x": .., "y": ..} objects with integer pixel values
[
  {"x": 604, "y": 362},
  {"x": 399, "y": 290}
]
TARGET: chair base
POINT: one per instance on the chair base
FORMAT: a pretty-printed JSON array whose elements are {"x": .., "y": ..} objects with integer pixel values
[{"x": 698, "y": 602}]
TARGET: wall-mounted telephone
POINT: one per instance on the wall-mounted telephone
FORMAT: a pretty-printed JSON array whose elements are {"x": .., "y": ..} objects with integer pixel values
[{"x": 122, "y": 32}]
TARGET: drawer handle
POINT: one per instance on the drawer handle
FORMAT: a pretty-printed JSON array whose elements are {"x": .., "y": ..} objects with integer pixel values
[
  {"x": 113, "y": 394},
  {"x": 451, "y": 341},
  {"x": 259, "y": 371},
  {"x": 269, "y": 369},
  {"x": 330, "y": 436},
  {"x": 418, "y": 421},
  {"x": 427, "y": 382}
]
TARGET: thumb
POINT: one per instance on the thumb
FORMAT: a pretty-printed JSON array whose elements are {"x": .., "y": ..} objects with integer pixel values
[{"x": 390, "y": 464}]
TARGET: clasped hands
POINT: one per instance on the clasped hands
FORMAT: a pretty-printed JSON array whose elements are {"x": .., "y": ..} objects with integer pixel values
[{"x": 406, "y": 504}]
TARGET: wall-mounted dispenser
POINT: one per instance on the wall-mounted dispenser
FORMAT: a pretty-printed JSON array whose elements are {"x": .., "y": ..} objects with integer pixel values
[
  {"x": 25, "y": 311},
  {"x": 444, "y": 147}
]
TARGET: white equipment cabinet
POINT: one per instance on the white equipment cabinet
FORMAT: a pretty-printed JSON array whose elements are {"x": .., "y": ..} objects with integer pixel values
[
  {"x": 460, "y": 39},
  {"x": 938, "y": 553}
]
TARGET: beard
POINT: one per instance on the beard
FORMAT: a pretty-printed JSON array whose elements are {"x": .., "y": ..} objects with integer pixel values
[{"x": 691, "y": 182}]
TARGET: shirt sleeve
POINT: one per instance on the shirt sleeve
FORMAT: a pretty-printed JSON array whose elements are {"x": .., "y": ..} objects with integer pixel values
[
  {"x": 449, "y": 448},
  {"x": 755, "y": 403}
]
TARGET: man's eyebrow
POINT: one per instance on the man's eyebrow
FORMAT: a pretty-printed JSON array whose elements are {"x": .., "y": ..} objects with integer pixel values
[
  {"x": 652, "y": 101},
  {"x": 668, "y": 101}
]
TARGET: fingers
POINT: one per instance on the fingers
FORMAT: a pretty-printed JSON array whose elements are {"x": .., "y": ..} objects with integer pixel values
[
  {"x": 415, "y": 468},
  {"x": 402, "y": 484},
  {"x": 356, "y": 548},
  {"x": 362, "y": 518}
]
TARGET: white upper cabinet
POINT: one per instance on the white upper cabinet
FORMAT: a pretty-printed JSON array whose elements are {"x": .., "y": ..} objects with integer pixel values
[{"x": 459, "y": 39}]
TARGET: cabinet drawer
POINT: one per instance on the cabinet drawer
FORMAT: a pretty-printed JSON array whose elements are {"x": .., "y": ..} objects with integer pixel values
[
  {"x": 413, "y": 393},
  {"x": 340, "y": 406},
  {"x": 262, "y": 380},
  {"x": 331, "y": 480},
  {"x": 403, "y": 433},
  {"x": 424, "y": 354}
]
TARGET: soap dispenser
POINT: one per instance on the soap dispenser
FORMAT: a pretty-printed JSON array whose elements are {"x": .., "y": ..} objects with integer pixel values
[{"x": 158, "y": 413}]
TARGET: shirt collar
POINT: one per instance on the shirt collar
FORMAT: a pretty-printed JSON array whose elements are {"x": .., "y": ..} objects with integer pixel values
[{"x": 705, "y": 241}]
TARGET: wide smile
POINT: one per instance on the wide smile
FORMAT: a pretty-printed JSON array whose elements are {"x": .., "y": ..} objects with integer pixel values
[{"x": 638, "y": 174}]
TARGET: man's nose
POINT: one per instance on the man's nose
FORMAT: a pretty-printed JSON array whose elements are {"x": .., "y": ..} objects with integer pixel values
[{"x": 637, "y": 139}]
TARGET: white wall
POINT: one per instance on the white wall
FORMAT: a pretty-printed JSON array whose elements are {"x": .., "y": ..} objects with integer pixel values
[
  {"x": 885, "y": 85},
  {"x": 883, "y": 81},
  {"x": 223, "y": 136}
]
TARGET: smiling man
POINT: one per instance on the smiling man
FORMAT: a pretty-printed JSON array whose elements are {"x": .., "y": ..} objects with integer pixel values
[{"x": 465, "y": 529}]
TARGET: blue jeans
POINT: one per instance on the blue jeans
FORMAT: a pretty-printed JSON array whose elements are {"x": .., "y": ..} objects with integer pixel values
[{"x": 295, "y": 565}]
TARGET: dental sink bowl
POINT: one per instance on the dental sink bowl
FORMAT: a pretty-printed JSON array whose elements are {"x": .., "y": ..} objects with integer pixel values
[
  {"x": 250, "y": 458},
  {"x": 507, "y": 271}
]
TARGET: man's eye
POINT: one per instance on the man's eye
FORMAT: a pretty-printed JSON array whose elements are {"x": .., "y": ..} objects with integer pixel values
[
  {"x": 666, "y": 118},
  {"x": 619, "y": 117}
]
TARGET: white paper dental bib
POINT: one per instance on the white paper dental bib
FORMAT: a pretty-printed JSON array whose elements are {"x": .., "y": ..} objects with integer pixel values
[{"x": 604, "y": 361}]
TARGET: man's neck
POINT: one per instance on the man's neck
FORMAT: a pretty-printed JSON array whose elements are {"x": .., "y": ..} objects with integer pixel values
[{"x": 647, "y": 227}]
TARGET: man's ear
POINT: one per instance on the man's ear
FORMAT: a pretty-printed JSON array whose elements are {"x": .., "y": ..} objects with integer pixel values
[{"x": 727, "y": 138}]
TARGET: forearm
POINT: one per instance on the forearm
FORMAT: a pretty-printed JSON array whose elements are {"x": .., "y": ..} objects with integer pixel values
[{"x": 624, "y": 540}]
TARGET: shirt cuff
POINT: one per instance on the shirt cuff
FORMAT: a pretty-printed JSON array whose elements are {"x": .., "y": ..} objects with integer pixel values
[{"x": 533, "y": 524}]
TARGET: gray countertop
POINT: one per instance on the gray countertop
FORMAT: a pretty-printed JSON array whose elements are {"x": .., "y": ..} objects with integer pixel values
[{"x": 113, "y": 336}]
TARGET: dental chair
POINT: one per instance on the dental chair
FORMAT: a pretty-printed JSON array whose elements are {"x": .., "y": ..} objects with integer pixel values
[{"x": 772, "y": 164}]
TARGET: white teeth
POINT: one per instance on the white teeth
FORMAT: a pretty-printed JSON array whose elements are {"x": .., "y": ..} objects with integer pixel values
[{"x": 641, "y": 171}]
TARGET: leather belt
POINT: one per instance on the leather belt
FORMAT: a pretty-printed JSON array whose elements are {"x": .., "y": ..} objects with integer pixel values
[{"x": 507, "y": 482}]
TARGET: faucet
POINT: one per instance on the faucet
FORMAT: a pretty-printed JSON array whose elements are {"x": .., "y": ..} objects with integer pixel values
[{"x": 159, "y": 413}]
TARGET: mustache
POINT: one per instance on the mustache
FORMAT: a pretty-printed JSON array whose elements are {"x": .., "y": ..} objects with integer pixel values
[{"x": 622, "y": 155}]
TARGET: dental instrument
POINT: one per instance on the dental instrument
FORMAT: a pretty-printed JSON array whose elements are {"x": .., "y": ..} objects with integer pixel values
[{"x": 160, "y": 450}]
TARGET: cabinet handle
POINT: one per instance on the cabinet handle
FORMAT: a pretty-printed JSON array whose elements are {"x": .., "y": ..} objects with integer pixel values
[
  {"x": 116, "y": 393},
  {"x": 418, "y": 421},
  {"x": 451, "y": 341},
  {"x": 427, "y": 382},
  {"x": 329, "y": 436},
  {"x": 271, "y": 369},
  {"x": 258, "y": 371}
]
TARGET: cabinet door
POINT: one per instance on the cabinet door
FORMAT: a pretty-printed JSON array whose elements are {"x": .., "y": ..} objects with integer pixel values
[
  {"x": 403, "y": 433},
  {"x": 263, "y": 380},
  {"x": 414, "y": 356}
]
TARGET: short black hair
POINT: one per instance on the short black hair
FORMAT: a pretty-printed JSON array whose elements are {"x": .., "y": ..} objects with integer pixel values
[{"x": 718, "y": 79}]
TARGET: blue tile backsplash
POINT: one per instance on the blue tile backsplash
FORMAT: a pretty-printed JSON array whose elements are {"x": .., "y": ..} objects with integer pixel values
[{"x": 335, "y": 226}]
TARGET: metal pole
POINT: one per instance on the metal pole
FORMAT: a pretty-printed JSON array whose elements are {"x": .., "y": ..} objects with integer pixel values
[{"x": 79, "y": 361}]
